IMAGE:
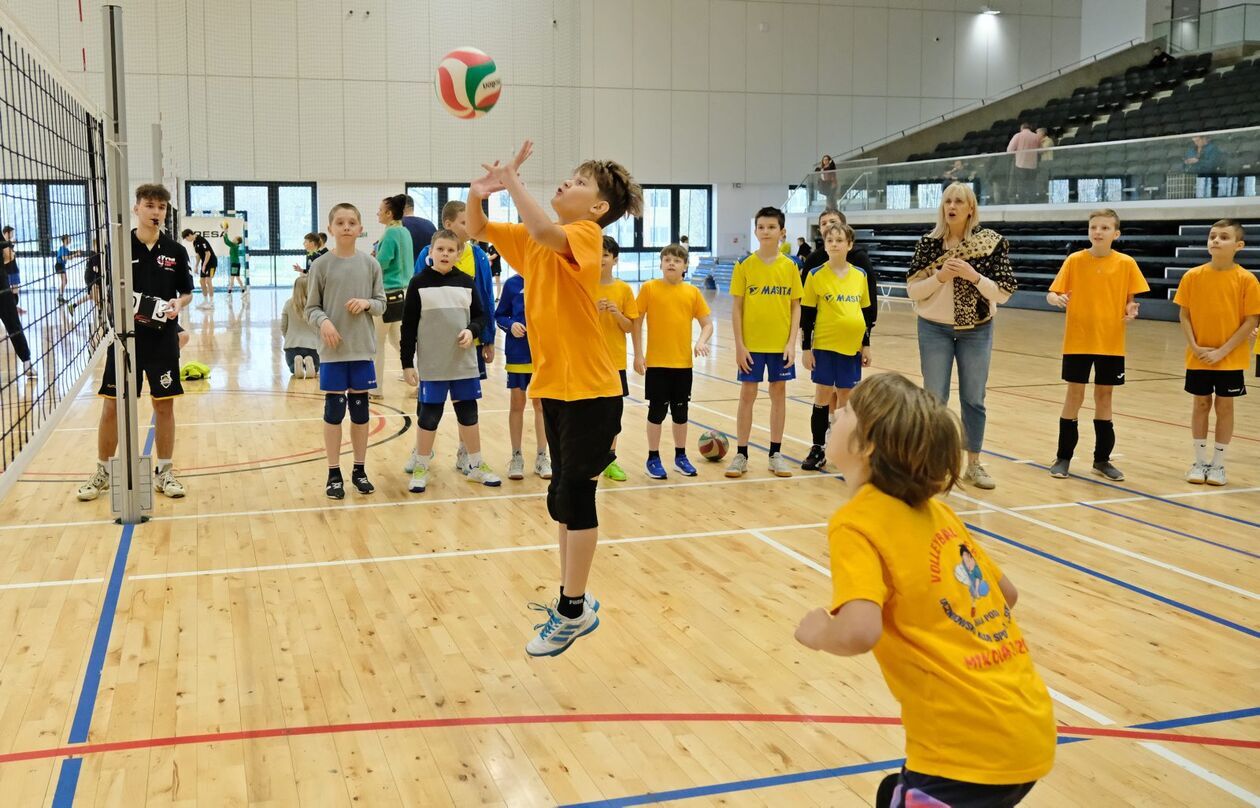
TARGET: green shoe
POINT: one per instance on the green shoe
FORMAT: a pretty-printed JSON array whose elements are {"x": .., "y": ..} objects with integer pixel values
[{"x": 614, "y": 472}]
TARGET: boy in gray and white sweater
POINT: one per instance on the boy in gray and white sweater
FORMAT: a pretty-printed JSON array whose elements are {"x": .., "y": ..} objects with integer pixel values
[
  {"x": 345, "y": 293},
  {"x": 441, "y": 315}
]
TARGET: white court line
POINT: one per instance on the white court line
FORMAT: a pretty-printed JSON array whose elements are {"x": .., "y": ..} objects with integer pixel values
[
  {"x": 43, "y": 584},
  {"x": 230, "y": 424},
  {"x": 1072, "y": 704},
  {"x": 1113, "y": 548}
]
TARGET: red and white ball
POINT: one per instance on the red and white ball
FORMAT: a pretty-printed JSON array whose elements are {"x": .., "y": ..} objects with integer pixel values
[{"x": 468, "y": 83}]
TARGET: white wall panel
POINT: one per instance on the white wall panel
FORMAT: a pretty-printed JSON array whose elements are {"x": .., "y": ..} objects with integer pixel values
[
  {"x": 903, "y": 113},
  {"x": 799, "y": 139},
  {"x": 727, "y": 47},
  {"x": 1066, "y": 41},
  {"x": 276, "y": 142},
  {"x": 1036, "y": 50},
  {"x": 653, "y": 45},
  {"x": 764, "y": 38},
  {"x": 173, "y": 98},
  {"x": 937, "y": 55},
  {"x": 870, "y": 119},
  {"x": 835, "y": 50},
  {"x": 172, "y": 23},
  {"x": 903, "y": 59},
  {"x": 227, "y": 34},
  {"x": 800, "y": 49},
  {"x": 320, "y": 58},
  {"x": 276, "y": 38},
  {"x": 763, "y": 159},
  {"x": 614, "y": 59},
  {"x": 407, "y": 41},
  {"x": 614, "y": 124},
  {"x": 689, "y": 35},
  {"x": 652, "y": 135},
  {"x": 322, "y": 137},
  {"x": 140, "y": 30},
  {"x": 1003, "y": 42},
  {"x": 727, "y": 136},
  {"x": 971, "y": 55},
  {"x": 689, "y": 147},
  {"x": 835, "y": 125},
  {"x": 870, "y": 50},
  {"x": 230, "y": 137}
]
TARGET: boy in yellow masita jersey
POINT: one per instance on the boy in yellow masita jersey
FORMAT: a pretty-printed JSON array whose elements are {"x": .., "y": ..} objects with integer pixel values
[
  {"x": 911, "y": 584},
  {"x": 836, "y": 317},
  {"x": 765, "y": 313}
]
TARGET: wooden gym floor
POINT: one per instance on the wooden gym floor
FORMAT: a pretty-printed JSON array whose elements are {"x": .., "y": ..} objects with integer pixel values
[{"x": 255, "y": 644}]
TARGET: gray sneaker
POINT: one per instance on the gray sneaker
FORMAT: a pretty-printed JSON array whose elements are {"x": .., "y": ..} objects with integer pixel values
[
  {"x": 779, "y": 466},
  {"x": 542, "y": 466},
  {"x": 98, "y": 482},
  {"x": 461, "y": 459},
  {"x": 977, "y": 475},
  {"x": 1060, "y": 468},
  {"x": 1216, "y": 475},
  {"x": 516, "y": 467},
  {"x": 482, "y": 474},
  {"x": 411, "y": 463},
  {"x": 419, "y": 479},
  {"x": 738, "y": 466},
  {"x": 1197, "y": 475},
  {"x": 1105, "y": 469},
  {"x": 165, "y": 482}
]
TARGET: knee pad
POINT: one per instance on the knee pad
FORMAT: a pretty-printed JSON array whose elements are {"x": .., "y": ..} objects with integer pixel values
[
  {"x": 334, "y": 408},
  {"x": 358, "y": 406},
  {"x": 678, "y": 409},
  {"x": 580, "y": 496},
  {"x": 466, "y": 412},
  {"x": 428, "y": 416},
  {"x": 555, "y": 500},
  {"x": 656, "y": 411}
]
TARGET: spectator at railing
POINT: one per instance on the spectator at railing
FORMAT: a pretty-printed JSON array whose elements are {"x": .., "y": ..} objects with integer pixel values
[
  {"x": 826, "y": 179},
  {"x": 1203, "y": 157},
  {"x": 1024, "y": 145}
]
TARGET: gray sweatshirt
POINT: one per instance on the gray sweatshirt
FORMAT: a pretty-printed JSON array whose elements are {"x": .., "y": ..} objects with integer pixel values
[
  {"x": 295, "y": 329},
  {"x": 332, "y": 282}
]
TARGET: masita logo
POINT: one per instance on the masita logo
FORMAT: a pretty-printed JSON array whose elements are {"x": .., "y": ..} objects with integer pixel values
[{"x": 769, "y": 290}]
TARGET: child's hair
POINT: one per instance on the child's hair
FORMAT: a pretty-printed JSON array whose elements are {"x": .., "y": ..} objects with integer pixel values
[
  {"x": 185, "y": 233},
  {"x": 8, "y": 228},
  {"x": 612, "y": 247},
  {"x": 842, "y": 229},
  {"x": 152, "y": 191},
  {"x": 323, "y": 237},
  {"x": 1239, "y": 233},
  {"x": 448, "y": 235},
  {"x": 771, "y": 212},
  {"x": 298, "y": 300},
  {"x": 451, "y": 210},
  {"x": 684, "y": 240},
  {"x": 1106, "y": 213},
  {"x": 833, "y": 212},
  {"x": 63, "y": 237},
  {"x": 914, "y": 441},
  {"x": 675, "y": 250},
  {"x": 396, "y": 204},
  {"x": 344, "y": 206},
  {"x": 615, "y": 186},
  {"x": 312, "y": 238}
]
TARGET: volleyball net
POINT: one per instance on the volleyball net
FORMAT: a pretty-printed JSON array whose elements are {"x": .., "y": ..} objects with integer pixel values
[{"x": 55, "y": 239}]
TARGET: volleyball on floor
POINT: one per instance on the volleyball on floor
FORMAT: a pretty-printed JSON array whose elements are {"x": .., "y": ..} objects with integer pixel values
[
  {"x": 468, "y": 83},
  {"x": 713, "y": 446}
]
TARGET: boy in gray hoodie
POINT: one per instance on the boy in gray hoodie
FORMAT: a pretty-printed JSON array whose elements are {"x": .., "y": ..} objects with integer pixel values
[{"x": 345, "y": 293}]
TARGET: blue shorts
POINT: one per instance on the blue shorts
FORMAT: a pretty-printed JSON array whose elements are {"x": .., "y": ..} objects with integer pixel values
[
  {"x": 338, "y": 377},
  {"x": 832, "y": 369},
  {"x": 518, "y": 381},
  {"x": 767, "y": 365},
  {"x": 458, "y": 390},
  {"x": 15, "y": 279}
]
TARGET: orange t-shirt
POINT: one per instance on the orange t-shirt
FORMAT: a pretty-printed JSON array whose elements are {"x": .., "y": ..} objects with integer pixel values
[
  {"x": 619, "y": 292},
  {"x": 1218, "y": 301},
  {"x": 669, "y": 309},
  {"x": 565, "y": 340},
  {"x": 1099, "y": 290}
]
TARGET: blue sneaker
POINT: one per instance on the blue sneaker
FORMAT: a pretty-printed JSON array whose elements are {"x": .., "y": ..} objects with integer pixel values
[
  {"x": 684, "y": 466},
  {"x": 656, "y": 469},
  {"x": 558, "y": 633}
]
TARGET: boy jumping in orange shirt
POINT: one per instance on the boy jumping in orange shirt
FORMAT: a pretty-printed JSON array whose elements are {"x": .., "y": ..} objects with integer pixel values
[{"x": 573, "y": 374}]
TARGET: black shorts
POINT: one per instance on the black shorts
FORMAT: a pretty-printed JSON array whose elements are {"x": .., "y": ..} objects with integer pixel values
[
  {"x": 1223, "y": 383},
  {"x": 161, "y": 370},
  {"x": 1108, "y": 370},
  {"x": 625, "y": 382},
  {"x": 59, "y": 269},
  {"x": 235, "y": 271},
  {"x": 495, "y": 270},
  {"x": 911, "y": 788},
  {"x": 580, "y": 434},
  {"x": 667, "y": 384},
  {"x": 92, "y": 280}
]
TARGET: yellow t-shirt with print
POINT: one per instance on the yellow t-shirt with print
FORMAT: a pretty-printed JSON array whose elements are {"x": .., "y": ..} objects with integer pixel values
[
  {"x": 973, "y": 706},
  {"x": 768, "y": 291},
  {"x": 620, "y": 293},
  {"x": 669, "y": 309},
  {"x": 839, "y": 325}
]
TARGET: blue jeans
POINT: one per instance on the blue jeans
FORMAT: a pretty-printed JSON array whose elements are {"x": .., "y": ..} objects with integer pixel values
[{"x": 939, "y": 346}]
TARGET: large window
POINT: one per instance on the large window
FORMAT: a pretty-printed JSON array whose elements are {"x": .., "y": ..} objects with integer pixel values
[
  {"x": 431, "y": 196},
  {"x": 41, "y": 212},
  {"x": 279, "y": 214}
]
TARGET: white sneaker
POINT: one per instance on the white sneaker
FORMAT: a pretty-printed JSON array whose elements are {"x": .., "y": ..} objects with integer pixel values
[
  {"x": 461, "y": 459},
  {"x": 309, "y": 363},
  {"x": 1215, "y": 475},
  {"x": 419, "y": 479},
  {"x": 738, "y": 466},
  {"x": 29, "y": 371},
  {"x": 978, "y": 475},
  {"x": 542, "y": 466},
  {"x": 779, "y": 466},
  {"x": 299, "y": 367},
  {"x": 516, "y": 467},
  {"x": 1197, "y": 475},
  {"x": 558, "y": 633},
  {"x": 98, "y": 482},
  {"x": 165, "y": 483},
  {"x": 482, "y": 474},
  {"x": 412, "y": 461}
]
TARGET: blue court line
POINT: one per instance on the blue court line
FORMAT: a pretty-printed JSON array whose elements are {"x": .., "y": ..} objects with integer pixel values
[
  {"x": 68, "y": 779},
  {"x": 863, "y": 768},
  {"x": 1176, "y": 604},
  {"x": 1167, "y": 529}
]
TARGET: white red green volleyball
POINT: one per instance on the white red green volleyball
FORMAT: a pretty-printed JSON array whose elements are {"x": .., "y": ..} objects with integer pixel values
[
  {"x": 713, "y": 446},
  {"x": 468, "y": 83}
]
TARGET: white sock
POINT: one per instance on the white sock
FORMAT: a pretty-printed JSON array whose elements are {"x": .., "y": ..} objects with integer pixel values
[
  {"x": 1201, "y": 451},
  {"x": 161, "y": 464},
  {"x": 1218, "y": 457},
  {"x": 474, "y": 459}
]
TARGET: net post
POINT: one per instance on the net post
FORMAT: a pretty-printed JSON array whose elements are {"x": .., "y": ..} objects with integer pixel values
[{"x": 131, "y": 472}]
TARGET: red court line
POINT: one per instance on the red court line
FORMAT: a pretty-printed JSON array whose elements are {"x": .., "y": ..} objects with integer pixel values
[{"x": 578, "y": 718}]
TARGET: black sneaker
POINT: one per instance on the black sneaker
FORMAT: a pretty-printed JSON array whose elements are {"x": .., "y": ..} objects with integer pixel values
[
  {"x": 1105, "y": 469},
  {"x": 362, "y": 483},
  {"x": 336, "y": 489},
  {"x": 1060, "y": 468},
  {"x": 815, "y": 460}
]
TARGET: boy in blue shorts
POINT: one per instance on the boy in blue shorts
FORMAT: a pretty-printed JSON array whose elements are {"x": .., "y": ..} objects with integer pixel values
[
  {"x": 441, "y": 314},
  {"x": 835, "y": 334},
  {"x": 346, "y": 290},
  {"x": 510, "y": 317},
  {"x": 765, "y": 314}
]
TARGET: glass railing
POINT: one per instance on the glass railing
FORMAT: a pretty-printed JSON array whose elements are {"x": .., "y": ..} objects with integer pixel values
[
  {"x": 1221, "y": 27},
  {"x": 1213, "y": 164}
]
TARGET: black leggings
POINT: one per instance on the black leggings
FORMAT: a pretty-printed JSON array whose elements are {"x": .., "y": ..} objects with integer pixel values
[{"x": 13, "y": 325}]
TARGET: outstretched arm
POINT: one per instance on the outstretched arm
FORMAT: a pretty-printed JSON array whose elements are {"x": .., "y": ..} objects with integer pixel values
[{"x": 539, "y": 225}]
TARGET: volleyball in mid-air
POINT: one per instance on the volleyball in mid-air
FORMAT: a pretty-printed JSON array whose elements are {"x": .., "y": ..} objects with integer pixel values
[{"x": 468, "y": 83}]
